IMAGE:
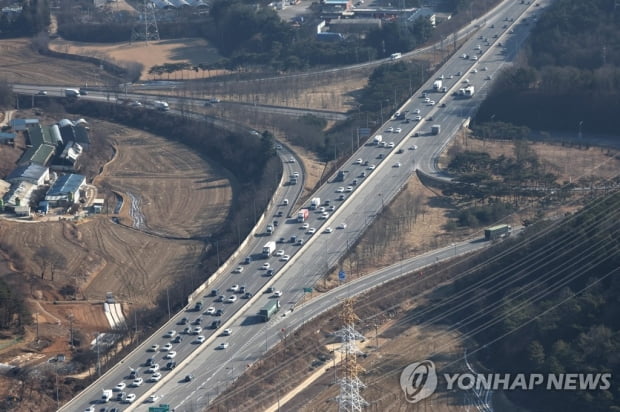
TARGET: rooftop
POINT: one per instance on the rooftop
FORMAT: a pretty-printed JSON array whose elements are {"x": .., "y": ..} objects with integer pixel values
[
  {"x": 66, "y": 184},
  {"x": 38, "y": 154},
  {"x": 31, "y": 171},
  {"x": 39, "y": 135}
]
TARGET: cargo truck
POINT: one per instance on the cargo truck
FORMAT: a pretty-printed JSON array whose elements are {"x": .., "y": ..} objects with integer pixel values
[
  {"x": 339, "y": 176},
  {"x": 437, "y": 85},
  {"x": 106, "y": 395},
  {"x": 269, "y": 248},
  {"x": 315, "y": 202},
  {"x": 269, "y": 310},
  {"x": 378, "y": 139},
  {"x": 302, "y": 215},
  {"x": 497, "y": 232},
  {"x": 466, "y": 91},
  {"x": 435, "y": 129},
  {"x": 161, "y": 105},
  {"x": 72, "y": 93}
]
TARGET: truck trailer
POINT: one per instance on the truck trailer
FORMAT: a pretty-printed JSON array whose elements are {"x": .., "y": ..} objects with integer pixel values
[
  {"x": 302, "y": 215},
  {"x": 378, "y": 139},
  {"x": 269, "y": 248},
  {"x": 437, "y": 85},
  {"x": 106, "y": 395},
  {"x": 269, "y": 310},
  {"x": 435, "y": 129},
  {"x": 315, "y": 202},
  {"x": 497, "y": 232}
]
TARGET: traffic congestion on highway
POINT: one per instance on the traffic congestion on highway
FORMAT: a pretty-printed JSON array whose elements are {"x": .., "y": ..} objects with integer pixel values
[{"x": 203, "y": 348}]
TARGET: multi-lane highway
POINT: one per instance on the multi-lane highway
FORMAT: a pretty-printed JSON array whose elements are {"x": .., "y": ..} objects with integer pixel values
[{"x": 367, "y": 186}]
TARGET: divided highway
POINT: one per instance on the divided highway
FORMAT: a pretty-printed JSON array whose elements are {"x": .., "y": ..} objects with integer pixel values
[{"x": 366, "y": 187}]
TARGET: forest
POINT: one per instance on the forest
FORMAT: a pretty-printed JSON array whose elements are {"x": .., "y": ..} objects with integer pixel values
[
  {"x": 547, "y": 302},
  {"x": 568, "y": 78}
]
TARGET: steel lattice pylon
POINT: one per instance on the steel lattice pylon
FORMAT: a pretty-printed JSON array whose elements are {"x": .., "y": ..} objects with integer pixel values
[{"x": 146, "y": 28}]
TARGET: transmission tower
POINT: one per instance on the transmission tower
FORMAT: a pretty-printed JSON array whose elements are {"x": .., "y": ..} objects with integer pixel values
[
  {"x": 349, "y": 399},
  {"x": 146, "y": 27}
]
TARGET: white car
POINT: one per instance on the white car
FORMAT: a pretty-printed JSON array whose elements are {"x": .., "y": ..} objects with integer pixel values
[
  {"x": 200, "y": 339},
  {"x": 391, "y": 145},
  {"x": 296, "y": 174},
  {"x": 223, "y": 345},
  {"x": 427, "y": 99},
  {"x": 305, "y": 226},
  {"x": 235, "y": 288},
  {"x": 349, "y": 189},
  {"x": 431, "y": 103},
  {"x": 325, "y": 215},
  {"x": 340, "y": 189},
  {"x": 418, "y": 118},
  {"x": 371, "y": 167},
  {"x": 266, "y": 266},
  {"x": 398, "y": 130},
  {"x": 311, "y": 231},
  {"x": 155, "y": 377},
  {"x": 332, "y": 208},
  {"x": 474, "y": 58},
  {"x": 414, "y": 147},
  {"x": 474, "y": 71},
  {"x": 90, "y": 409},
  {"x": 154, "y": 368},
  {"x": 328, "y": 230},
  {"x": 232, "y": 299},
  {"x": 450, "y": 77},
  {"x": 321, "y": 209},
  {"x": 130, "y": 398},
  {"x": 277, "y": 293},
  {"x": 137, "y": 382},
  {"x": 485, "y": 68},
  {"x": 238, "y": 269},
  {"x": 390, "y": 129},
  {"x": 153, "y": 398},
  {"x": 167, "y": 347},
  {"x": 227, "y": 332},
  {"x": 197, "y": 330},
  {"x": 291, "y": 160},
  {"x": 120, "y": 386},
  {"x": 358, "y": 162},
  {"x": 170, "y": 355},
  {"x": 154, "y": 348},
  {"x": 397, "y": 164},
  {"x": 417, "y": 111},
  {"x": 280, "y": 253},
  {"x": 170, "y": 334},
  {"x": 285, "y": 258},
  {"x": 210, "y": 310},
  {"x": 342, "y": 226}
]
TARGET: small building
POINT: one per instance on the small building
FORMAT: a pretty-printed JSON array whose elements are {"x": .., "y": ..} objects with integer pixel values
[
  {"x": 65, "y": 190},
  {"x": 33, "y": 173},
  {"x": 7, "y": 138},
  {"x": 98, "y": 205},
  {"x": 38, "y": 154},
  {"x": 18, "y": 195},
  {"x": 23, "y": 210},
  {"x": 22, "y": 124}
]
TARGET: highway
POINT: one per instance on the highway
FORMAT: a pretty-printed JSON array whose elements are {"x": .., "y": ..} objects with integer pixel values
[{"x": 213, "y": 368}]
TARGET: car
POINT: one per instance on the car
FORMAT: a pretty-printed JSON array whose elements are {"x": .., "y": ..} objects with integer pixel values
[
  {"x": 153, "y": 398},
  {"x": 285, "y": 202},
  {"x": 305, "y": 226},
  {"x": 171, "y": 365},
  {"x": 197, "y": 330},
  {"x": 197, "y": 321},
  {"x": 391, "y": 145},
  {"x": 188, "y": 378},
  {"x": 398, "y": 130},
  {"x": 342, "y": 226},
  {"x": 279, "y": 214},
  {"x": 340, "y": 189},
  {"x": 227, "y": 332},
  {"x": 167, "y": 347},
  {"x": 247, "y": 295},
  {"x": 150, "y": 362},
  {"x": 155, "y": 377},
  {"x": 130, "y": 398},
  {"x": 459, "y": 73},
  {"x": 238, "y": 269},
  {"x": 390, "y": 129},
  {"x": 120, "y": 386},
  {"x": 187, "y": 331},
  {"x": 416, "y": 111},
  {"x": 485, "y": 68},
  {"x": 325, "y": 215},
  {"x": 380, "y": 156},
  {"x": 349, "y": 189},
  {"x": 371, "y": 167},
  {"x": 266, "y": 266},
  {"x": 170, "y": 334},
  {"x": 418, "y": 118},
  {"x": 281, "y": 240},
  {"x": 430, "y": 118},
  {"x": 277, "y": 293},
  {"x": 219, "y": 312},
  {"x": 154, "y": 368},
  {"x": 414, "y": 147},
  {"x": 135, "y": 103},
  {"x": 489, "y": 77},
  {"x": 223, "y": 345},
  {"x": 328, "y": 230},
  {"x": 332, "y": 208},
  {"x": 443, "y": 105},
  {"x": 450, "y": 77},
  {"x": 269, "y": 272},
  {"x": 232, "y": 299},
  {"x": 42, "y": 93},
  {"x": 209, "y": 311},
  {"x": 200, "y": 339},
  {"x": 270, "y": 289},
  {"x": 285, "y": 258},
  {"x": 280, "y": 252},
  {"x": 170, "y": 355},
  {"x": 474, "y": 71},
  {"x": 153, "y": 348},
  {"x": 90, "y": 409},
  {"x": 177, "y": 339},
  {"x": 291, "y": 159},
  {"x": 220, "y": 298},
  {"x": 416, "y": 134},
  {"x": 295, "y": 174},
  {"x": 137, "y": 382},
  {"x": 321, "y": 209},
  {"x": 134, "y": 374},
  {"x": 427, "y": 99},
  {"x": 397, "y": 164},
  {"x": 234, "y": 288},
  {"x": 354, "y": 182},
  {"x": 431, "y": 103},
  {"x": 358, "y": 162},
  {"x": 299, "y": 242},
  {"x": 183, "y": 321}
]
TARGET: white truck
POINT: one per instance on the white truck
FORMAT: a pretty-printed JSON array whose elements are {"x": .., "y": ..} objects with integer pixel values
[
  {"x": 396, "y": 56},
  {"x": 72, "y": 93},
  {"x": 106, "y": 395},
  {"x": 302, "y": 215},
  {"x": 466, "y": 91},
  {"x": 437, "y": 85},
  {"x": 315, "y": 202},
  {"x": 378, "y": 139},
  {"x": 269, "y": 248},
  {"x": 161, "y": 105}
]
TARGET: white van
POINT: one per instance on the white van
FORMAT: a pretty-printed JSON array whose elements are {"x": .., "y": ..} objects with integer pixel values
[{"x": 396, "y": 56}]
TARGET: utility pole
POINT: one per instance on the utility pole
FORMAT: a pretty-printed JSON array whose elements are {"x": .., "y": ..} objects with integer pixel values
[{"x": 168, "y": 299}]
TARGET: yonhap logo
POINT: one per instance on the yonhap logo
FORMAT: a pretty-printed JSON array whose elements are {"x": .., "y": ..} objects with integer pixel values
[{"x": 418, "y": 381}]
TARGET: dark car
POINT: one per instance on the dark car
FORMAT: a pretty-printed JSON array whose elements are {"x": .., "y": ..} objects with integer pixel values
[
  {"x": 279, "y": 214},
  {"x": 242, "y": 289},
  {"x": 177, "y": 339},
  {"x": 188, "y": 378},
  {"x": 220, "y": 298},
  {"x": 247, "y": 295},
  {"x": 219, "y": 312},
  {"x": 133, "y": 374},
  {"x": 183, "y": 321},
  {"x": 270, "y": 272},
  {"x": 216, "y": 324},
  {"x": 171, "y": 365},
  {"x": 150, "y": 361}
]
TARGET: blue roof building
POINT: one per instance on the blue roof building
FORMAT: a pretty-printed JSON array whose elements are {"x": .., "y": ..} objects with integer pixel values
[{"x": 65, "y": 190}]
